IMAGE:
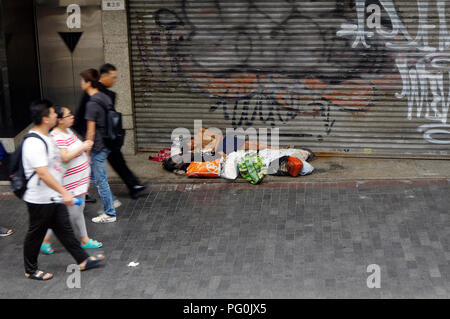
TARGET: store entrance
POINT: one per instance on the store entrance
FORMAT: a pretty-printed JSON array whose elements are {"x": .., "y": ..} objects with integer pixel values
[{"x": 19, "y": 72}]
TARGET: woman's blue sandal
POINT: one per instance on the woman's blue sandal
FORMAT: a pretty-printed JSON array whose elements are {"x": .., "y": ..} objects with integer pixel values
[
  {"x": 91, "y": 263},
  {"x": 92, "y": 244},
  {"x": 47, "y": 249}
]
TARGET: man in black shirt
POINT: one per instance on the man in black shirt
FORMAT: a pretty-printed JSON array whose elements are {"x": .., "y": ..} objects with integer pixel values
[{"x": 108, "y": 76}]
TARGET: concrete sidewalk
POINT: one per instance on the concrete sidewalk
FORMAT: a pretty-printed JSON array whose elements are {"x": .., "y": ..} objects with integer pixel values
[{"x": 326, "y": 169}]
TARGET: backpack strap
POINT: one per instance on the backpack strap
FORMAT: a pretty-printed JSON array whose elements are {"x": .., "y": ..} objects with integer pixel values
[
  {"x": 100, "y": 102},
  {"x": 43, "y": 141}
]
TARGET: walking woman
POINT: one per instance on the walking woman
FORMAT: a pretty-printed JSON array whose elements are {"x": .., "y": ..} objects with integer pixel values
[{"x": 76, "y": 176}]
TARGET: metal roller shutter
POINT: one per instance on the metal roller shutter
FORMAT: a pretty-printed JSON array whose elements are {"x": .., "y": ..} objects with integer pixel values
[{"x": 367, "y": 77}]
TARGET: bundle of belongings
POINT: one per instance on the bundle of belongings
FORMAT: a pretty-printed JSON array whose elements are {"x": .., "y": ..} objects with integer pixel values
[{"x": 230, "y": 157}]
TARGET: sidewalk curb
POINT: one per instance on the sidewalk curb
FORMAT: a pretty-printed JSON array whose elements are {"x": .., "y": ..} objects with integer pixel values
[
  {"x": 279, "y": 180},
  {"x": 194, "y": 181}
]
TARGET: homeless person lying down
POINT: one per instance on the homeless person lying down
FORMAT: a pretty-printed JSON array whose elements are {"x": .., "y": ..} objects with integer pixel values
[
  {"x": 208, "y": 144},
  {"x": 214, "y": 142}
]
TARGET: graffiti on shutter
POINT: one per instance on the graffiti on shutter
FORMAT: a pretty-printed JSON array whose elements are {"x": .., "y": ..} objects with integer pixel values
[{"x": 339, "y": 58}]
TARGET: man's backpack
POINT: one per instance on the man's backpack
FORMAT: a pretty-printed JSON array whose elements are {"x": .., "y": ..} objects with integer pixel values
[
  {"x": 114, "y": 133},
  {"x": 17, "y": 172}
]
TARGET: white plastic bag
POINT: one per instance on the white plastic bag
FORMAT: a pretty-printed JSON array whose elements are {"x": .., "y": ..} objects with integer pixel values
[
  {"x": 230, "y": 165},
  {"x": 177, "y": 145},
  {"x": 306, "y": 169}
]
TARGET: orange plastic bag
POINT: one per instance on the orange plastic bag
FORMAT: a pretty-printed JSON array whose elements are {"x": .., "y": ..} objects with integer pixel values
[
  {"x": 204, "y": 169},
  {"x": 294, "y": 166}
]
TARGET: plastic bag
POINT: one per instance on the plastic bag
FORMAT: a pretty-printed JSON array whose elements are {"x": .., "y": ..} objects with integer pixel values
[
  {"x": 204, "y": 169},
  {"x": 177, "y": 146},
  {"x": 306, "y": 169},
  {"x": 279, "y": 167},
  {"x": 161, "y": 156},
  {"x": 294, "y": 165},
  {"x": 251, "y": 168},
  {"x": 230, "y": 168}
]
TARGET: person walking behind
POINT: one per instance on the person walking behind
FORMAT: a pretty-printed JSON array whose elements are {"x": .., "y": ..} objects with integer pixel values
[
  {"x": 77, "y": 172},
  {"x": 42, "y": 167},
  {"x": 95, "y": 116},
  {"x": 108, "y": 76}
]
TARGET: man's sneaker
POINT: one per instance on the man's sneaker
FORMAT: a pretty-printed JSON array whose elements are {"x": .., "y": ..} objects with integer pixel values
[
  {"x": 116, "y": 204},
  {"x": 103, "y": 219}
]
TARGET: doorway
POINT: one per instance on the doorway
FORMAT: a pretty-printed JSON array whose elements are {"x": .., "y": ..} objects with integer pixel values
[{"x": 70, "y": 40}]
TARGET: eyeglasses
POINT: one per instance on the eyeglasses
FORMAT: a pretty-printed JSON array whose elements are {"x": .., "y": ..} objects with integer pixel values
[{"x": 70, "y": 115}]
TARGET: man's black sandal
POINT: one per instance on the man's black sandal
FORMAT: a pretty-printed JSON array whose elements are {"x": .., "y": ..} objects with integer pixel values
[
  {"x": 5, "y": 232},
  {"x": 91, "y": 263},
  {"x": 38, "y": 275}
]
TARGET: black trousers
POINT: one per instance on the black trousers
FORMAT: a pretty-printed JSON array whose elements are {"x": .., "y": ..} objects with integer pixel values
[
  {"x": 45, "y": 216},
  {"x": 117, "y": 162}
]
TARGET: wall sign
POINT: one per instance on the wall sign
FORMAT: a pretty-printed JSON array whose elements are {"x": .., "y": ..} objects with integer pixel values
[
  {"x": 108, "y": 5},
  {"x": 74, "y": 16}
]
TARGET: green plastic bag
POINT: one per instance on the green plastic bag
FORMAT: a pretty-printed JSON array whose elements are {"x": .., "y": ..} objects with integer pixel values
[{"x": 251, "y": 168}]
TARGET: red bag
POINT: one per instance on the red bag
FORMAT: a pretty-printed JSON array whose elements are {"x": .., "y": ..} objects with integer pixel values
[
  {"x": 204, "y": 169},
  {"x": 294, "y": 166},
  {"x": 161, "y": 156}
]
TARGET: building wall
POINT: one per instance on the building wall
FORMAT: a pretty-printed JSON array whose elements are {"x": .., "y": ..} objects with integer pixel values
[{"x": 116, "y": 50}]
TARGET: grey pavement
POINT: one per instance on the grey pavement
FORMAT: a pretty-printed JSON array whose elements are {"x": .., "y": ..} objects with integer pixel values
[{"x": 298, "y": 239}]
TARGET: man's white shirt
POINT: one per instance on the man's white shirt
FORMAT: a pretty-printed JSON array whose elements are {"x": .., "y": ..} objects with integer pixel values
[{"x": 34, "y": 155}]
